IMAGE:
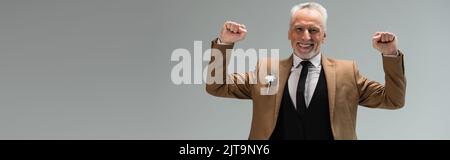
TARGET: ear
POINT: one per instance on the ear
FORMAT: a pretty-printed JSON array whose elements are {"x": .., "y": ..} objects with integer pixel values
[{"x": 324, "y": 37}]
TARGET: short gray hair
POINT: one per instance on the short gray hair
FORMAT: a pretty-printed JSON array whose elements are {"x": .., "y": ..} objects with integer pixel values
[{"x": 314, "y": 6}]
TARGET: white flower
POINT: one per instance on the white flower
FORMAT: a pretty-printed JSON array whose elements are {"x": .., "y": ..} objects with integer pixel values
[{"x": 270, "y": 78}]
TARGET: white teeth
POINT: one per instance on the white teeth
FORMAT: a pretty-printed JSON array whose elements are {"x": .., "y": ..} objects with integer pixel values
[{"x": 304, "y": 45}]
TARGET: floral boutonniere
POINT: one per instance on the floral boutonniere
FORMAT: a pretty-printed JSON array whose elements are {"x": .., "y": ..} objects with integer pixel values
[{"x": 270, "y": 79}]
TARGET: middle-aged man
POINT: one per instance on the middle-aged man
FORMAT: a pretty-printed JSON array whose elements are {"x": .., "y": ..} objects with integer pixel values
[{"x": 317, "y": 96}]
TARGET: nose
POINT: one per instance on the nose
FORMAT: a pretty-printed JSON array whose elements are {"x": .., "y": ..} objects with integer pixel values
[{"x": 305, "y": 35}]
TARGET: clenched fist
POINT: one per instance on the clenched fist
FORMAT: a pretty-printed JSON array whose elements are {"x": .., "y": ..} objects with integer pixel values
[
  {"x": 232, "y": 32},
  {"x": 385, "y": 42}
]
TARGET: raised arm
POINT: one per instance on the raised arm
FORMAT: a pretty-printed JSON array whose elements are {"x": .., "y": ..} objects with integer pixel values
[{"x": 236, "y": 85}]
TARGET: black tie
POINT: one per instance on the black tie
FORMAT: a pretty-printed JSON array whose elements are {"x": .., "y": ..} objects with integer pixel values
[{"x": 301, "y": 104}]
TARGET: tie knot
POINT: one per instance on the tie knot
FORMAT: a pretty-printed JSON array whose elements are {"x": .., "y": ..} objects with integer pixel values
[{"x": 305, "y": 63}]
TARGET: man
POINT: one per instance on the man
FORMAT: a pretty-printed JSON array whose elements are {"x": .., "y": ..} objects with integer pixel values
[{"x": 317, "y": 96}]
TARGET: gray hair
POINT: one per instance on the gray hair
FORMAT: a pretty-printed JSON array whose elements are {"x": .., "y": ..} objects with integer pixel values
[{"x": 314, "y": 6}]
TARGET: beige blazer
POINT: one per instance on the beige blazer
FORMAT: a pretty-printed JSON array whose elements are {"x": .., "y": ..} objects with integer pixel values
[{"x": 347, "y": 89}]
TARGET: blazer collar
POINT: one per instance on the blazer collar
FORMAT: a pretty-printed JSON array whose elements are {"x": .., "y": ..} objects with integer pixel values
[
  {"x": 284, "y": 71},
  {"x": 329, "y": 67}
]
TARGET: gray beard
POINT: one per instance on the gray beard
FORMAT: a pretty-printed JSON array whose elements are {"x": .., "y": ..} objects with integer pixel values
[{"x": 310, "y": 55}]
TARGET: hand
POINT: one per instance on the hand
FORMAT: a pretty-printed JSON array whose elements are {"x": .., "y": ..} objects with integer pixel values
[
  {"x": 232, "y": 32},
  {"x": 385, "y": 42}
]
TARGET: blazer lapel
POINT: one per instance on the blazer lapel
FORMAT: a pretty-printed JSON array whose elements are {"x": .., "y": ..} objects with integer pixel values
[
  {"x": 284, "y": 71},
  {"x": 330, "y": 75}
]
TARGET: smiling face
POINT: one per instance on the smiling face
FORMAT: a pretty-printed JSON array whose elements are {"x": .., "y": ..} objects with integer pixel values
[{"x": 306, "y": 33}]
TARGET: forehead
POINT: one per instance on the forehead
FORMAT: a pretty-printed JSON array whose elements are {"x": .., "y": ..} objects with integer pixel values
[{"x": 307, "y": 17}]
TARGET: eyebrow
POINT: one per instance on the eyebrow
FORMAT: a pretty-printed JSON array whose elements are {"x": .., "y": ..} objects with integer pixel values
[{"x": 308, "y": 26}]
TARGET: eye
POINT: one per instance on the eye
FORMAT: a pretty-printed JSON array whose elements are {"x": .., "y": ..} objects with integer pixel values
[
  {"x": 313, "y": 30},
  {"x": 299, "y": 29}
]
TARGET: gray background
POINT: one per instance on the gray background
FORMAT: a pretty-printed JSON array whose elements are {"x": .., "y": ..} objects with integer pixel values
[{"x": 100, "y": 69}]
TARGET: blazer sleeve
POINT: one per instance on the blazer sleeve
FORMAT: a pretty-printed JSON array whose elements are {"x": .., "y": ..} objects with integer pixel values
[
  {"x": 392, "y": 94},
  {"x": 221, "y": 84}
]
